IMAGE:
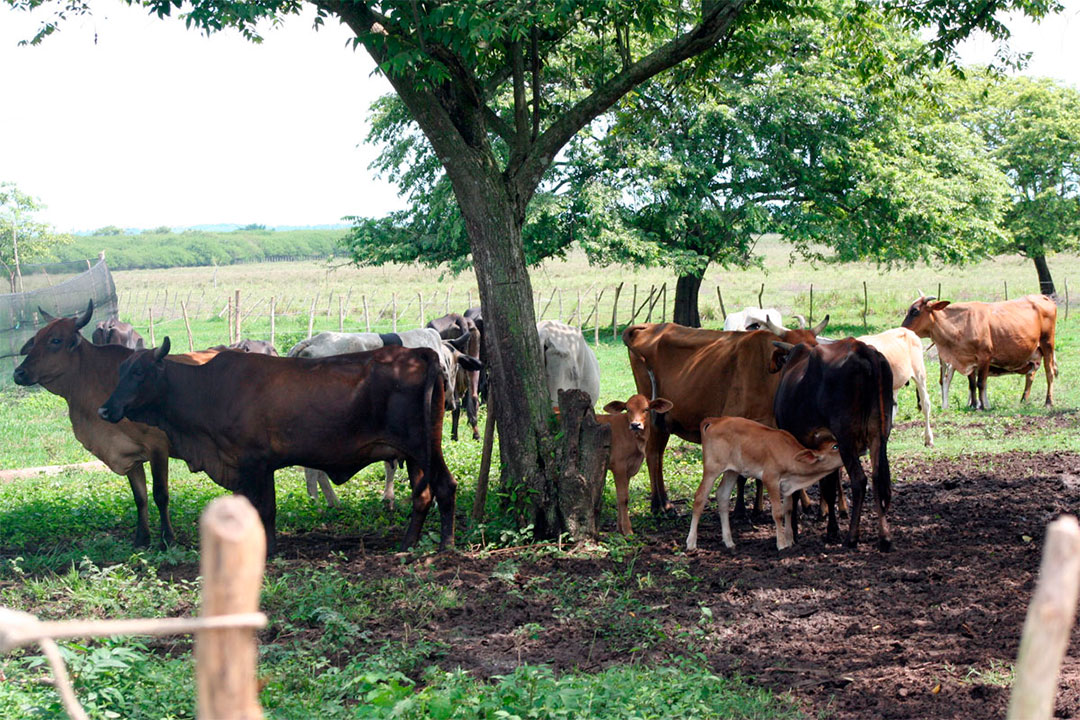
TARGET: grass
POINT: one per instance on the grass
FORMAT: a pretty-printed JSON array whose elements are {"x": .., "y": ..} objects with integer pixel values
[{"x": 65, "y": 540}]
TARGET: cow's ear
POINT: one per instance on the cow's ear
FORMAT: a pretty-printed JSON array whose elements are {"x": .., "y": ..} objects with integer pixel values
[
  {"x": 779, "y": 356},
  {"x": 661, "y": 405},
  {"x": 939, "y": 305},
  {"x": 76, "y": 338},
  {"x": 807, "y": 456},
  {"x": 162, "y": 351},
  {"x": 468, "y": 362},
  {"x": 615, "y": 406},
  {"x": 25, "y": 350}
]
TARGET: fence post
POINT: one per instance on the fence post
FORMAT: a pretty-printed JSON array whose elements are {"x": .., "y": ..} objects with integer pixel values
[
  {"x": 759, "y": 294},
  {"x": 615, "y": 313},
  {"x": 311, "y": 315},
  {"x": 1006, "y": 289},
  {"x": 720, "y": 297},
  {"x": 560, "y": 305},
  {"x": 1066, "y": 298},
  {"x": 393, "y": 300},
  {"x": 236, "y": 308},
  {"x": 367, "y": 318},
  {"x": 1048, "y": 624},
  {"x": 480, "y": 498},
  {"x": 150, "y": 313},
  {"x": 811, "y": 321},
  {"x": 273, "y": 311},
  {"x": 341, "y": 314},
  {"x": 446, "y": 310},
  {"x": 229, "y": 319},
  {"x": 865, "y": 301},
  {"x": 470, "y": 297},
  {"x": 421, "y": 296},
  {"x": 187, "y": 326},
  {"x": 233, "y": 553}
]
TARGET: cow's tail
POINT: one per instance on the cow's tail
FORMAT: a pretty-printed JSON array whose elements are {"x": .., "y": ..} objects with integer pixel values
[
  {"x": 433, "y": 387},
  {"x": 882, "y": 376}
]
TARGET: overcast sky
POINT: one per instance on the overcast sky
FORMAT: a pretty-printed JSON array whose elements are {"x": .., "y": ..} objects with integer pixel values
[{"x": 132, "y": 121}]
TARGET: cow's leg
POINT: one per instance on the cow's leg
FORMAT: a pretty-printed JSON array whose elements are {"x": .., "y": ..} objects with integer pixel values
[
  {"x": 389, "y": 469},
  {"x": 805, "y": 501},
  {"x": 455, "y": 415},
  {"x": 723, "y": 504},
  {"x": 1050, "y": 367},
  {"x": 1029, "y": 380},
  {"x": 984, "y": 373},
  {"x": 472, "y": 412},
  {"x": 946, "y": 375},
  {"x": 445, "y": 488},
  {"x": 759, "y": 500},
  {"x": 924, "y": 404},
  {"x": 829, "y": 485},
  {"x": 137, "y": 479},
  {"x": 159, "y": 471},
  {"x": 655, "y": 445},
  {"x": 973, "y": 389},
  {"x": 841, "y": 497},
  {"x": 776, "y": 503},
  {"x": 701, "y": 498},
  {"x": 879, "y": 464},
  {"x": 258, "y": 487},
  {"x": 622, "y": 503},
  {"x": 316, "y": 480},
  {"x": 858, "y": 491},
  {"x": 792, "y": 519}
]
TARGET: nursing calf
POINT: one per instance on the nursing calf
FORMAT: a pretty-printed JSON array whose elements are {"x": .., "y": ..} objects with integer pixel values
[{"x": 735, "y": 446}]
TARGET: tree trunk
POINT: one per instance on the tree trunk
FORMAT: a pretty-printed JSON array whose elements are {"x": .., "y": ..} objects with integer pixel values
[
  {"x": 1046, "y": 283},
  {"x": 686, "y": 300},
  {"x": 582, "y": 459}
]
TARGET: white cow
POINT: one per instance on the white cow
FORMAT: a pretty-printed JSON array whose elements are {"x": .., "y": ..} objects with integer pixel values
[
  {"x": 326, "y": 344},
  {"x": 751, "y": 318},
  {"x": 904, "y": 351},
  {"x": 569, "y": 362}
]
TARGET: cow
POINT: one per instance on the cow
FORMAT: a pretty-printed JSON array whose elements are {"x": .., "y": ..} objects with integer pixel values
[
  {"x": 569, "y": 362},
  {"x": 115, "y": 332},
  {"x": 264, "y": 347},
  {"x": 630, "y": 423},
  {"x": 982, "y": 339},
  {"x": 83, "y": 373},
  {"x": 902, "y": 349},
  {"x": 704, "y": 373},
  {"x": 242, "y": 416},
  {"x": 735, "y": 446},
  {"x": 455, "y": 327},
  {"x": 751, "y": 318},
  {"x": 845, "y": 387},
  {"x": 328, "y": 344},
  {"x": 477, "y": 316}
]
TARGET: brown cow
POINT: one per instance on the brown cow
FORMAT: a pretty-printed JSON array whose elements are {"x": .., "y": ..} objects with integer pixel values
[
  {"x": 704, "y": 373},
  {"x": 629, "y": 423},
  {"x": 736, "y": 446},
  {"x": 113, "y": 332},
  {"x": 61, "y": 361},
  {"x": 242, "y": 416},
  {"x": 982, "y": 339}
]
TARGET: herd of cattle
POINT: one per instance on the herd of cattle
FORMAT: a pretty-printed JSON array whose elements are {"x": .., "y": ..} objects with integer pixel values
[{"x": 788, "y": 407}]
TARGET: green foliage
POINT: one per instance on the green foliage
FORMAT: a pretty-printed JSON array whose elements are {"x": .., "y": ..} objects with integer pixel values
[{"x": 36, "y": 241}]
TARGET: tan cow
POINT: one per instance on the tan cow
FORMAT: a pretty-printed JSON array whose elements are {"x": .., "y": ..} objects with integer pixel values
[
  {"x": 902, "y": 349},
  {"x": 736, "y": 446},
  {"x": 630, "y": 426},
  {"x": 983, "y": 339}
]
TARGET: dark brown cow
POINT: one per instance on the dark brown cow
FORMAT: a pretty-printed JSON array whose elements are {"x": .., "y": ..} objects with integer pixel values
[
  {"x": 704, "y": 373},
  {"x": 477, "y": 316},
  {"x": 844, "y": 386},
  {"x": 112, "y": 332},
  {"x": 982, "y": 339},
  {"x": 242, "y": 416},
  {"x": 84, "y": 374},
  {"x": 466, "y": 336},
  {"x": 264, "y": 347}
]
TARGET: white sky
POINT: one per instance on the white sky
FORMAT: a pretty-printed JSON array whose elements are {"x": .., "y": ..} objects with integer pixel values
[{"x": 158, "y": 125}]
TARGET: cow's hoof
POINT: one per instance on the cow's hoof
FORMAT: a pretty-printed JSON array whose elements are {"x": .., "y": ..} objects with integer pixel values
[
  {"x": 851, "y": 543},
  {"x": 843, "y": 515},
  {"x": 167, "y": 541},
  {"x": 757, "y": 516},
  {"x": 142, "y": 540},
  {"x": 885, "y": 545},
  {"x": 832, "y": 538}
]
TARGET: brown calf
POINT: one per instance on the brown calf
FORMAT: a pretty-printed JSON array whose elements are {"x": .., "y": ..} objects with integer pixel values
[
  {"x": 630, "y": 426},
  {"x": 736, "y": 446}
]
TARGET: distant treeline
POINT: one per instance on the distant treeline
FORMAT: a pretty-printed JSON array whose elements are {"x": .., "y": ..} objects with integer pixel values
[{"x": 154, "y": 249}]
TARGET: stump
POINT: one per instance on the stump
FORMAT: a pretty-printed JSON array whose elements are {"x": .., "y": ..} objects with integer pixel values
[{"x": 581, "y": 457}]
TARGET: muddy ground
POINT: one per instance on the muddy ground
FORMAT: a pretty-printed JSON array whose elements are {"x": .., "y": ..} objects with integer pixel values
[{"x": 927, "y": 631}]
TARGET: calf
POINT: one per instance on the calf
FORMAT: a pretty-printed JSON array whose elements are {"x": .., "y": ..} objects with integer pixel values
[
  {"x": 111, "y": 332},
  {"x": 569, "y": 362},
  {"x": 902, "y": 349},
  {"x": 242, "y": 416},
  {"x": 629, "y": 423},
  {"x": 736, "y": 446}
]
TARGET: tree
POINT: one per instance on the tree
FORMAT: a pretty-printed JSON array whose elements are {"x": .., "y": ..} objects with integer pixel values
[
  {"x": 25, "y": 239},
  {"x": 555, "y": 66},
  {"x": 1032, "y": 127}
]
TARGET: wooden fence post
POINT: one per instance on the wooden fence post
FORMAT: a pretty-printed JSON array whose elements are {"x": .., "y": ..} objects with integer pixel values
[
  {"x": 367, "y": 318},
  {"x": 1048, "y": 625},
  {"x": 341, "y": 314},
  {"x": 236, "y": 308},
  {"x": 759, "y": 294},
  {"x": 720, "y": 297},
  {"x": 150, "y": 313},
  {"x": 615, "y": 313},
  {"x": 187, "y": 326},
  {"x": 663, "y": 306},
  {"x": 939, "y": 291},
  {"x": 393, "y": 301},
  {"x": 811, "y": 321},
  {"x": 446, "y": 310},
  {"x": 469, "y": 302},
  {"x": 273, "y": 311},
  {"x": 1066, "y": 298},
  {"x": 229, "y": 319},
  {"x": 865, "y": 302},
  {"x": 311, "y": 316},
  {"x": 233, "y": 554},
  {"x": 560, "y": 305},
  {"x": 1006, "y": 289},
  {"x": 421, "y": 296},
  {"x": 480, "y": 498}
]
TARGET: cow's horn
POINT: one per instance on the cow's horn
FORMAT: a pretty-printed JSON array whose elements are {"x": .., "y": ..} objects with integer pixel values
[
  {"x": 817, "y": 329},
  {"x": 162, "y": 351},
  {"x": 921, "y": 293},
  {"x": 931, "y": 297},
  {"x": 82, "y": 320},
  {"x": 44, "y": 315},
  {"x": 783, "y": 345},
  {"x": 802, "y": 321},
  {"x": 774, "y": 328}
]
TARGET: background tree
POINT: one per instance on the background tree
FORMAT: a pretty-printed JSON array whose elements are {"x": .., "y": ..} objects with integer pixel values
[
  {"x": 562, "y": 63},
  {"x": 1032, "y": 127},
  {"x": 24, "y": 238}
]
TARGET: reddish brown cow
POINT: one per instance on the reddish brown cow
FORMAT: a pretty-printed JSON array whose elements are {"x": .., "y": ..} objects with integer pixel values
[
  {"x": 113, "y": 332},
  {"x": 982, "y": 339},
  {"x": 704, "y": 373},
  {"x": 242, "y": 416},
  {"x": 630, "y": 425},
  {"x": 735, "y": 446},
  {"x": 61, "y": 361}
]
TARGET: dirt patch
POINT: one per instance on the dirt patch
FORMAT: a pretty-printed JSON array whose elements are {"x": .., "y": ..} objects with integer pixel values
[{"x": 929, "y": 630}]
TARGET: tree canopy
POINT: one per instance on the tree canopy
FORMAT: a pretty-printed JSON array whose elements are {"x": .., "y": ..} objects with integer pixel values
[{"x": 24, "y": 238}]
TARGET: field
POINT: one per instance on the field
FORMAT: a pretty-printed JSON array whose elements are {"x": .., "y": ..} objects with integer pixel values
[{"x": 627, "y": 628}]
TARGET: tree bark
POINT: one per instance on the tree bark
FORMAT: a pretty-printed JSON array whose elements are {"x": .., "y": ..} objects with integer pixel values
[
  {"x": 1046, "y": 282},
  {"x": 582, "y": 459},
  {"x": 686, "y": 300}
]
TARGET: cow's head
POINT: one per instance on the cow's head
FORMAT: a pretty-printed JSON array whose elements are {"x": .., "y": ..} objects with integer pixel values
[
  {"x": 141, "y": 384},
  {"x": 920, "y": 316},
  {"x": 637, "y": 410},
  {"x": 560, "y": 362},
  {"x": 454, "y": 364},
  {"x": 48, "y": 353},
  {"x": 823, "y": 452}
]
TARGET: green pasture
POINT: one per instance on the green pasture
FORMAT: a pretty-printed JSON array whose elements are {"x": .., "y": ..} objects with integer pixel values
[{"x": 65, "y": 540}]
